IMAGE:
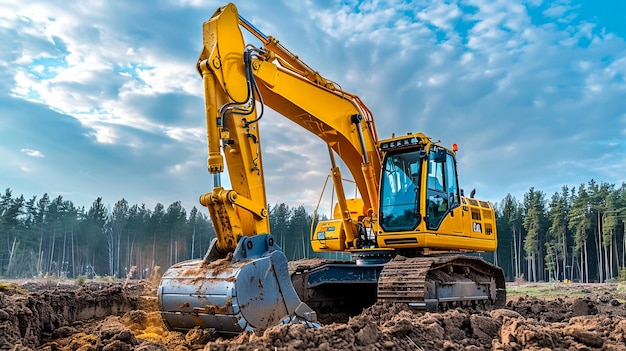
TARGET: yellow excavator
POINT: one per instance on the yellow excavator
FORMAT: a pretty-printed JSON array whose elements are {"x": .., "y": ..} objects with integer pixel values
[{"x": 408, "y": 232}]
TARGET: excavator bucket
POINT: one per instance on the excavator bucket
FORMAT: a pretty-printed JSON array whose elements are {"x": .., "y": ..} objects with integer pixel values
[{"x": 249, "y": 289}]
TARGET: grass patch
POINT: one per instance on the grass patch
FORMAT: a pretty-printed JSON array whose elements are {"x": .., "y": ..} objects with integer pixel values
[
  {"x": 80, "y": 280},
  {"x": 540, "y": 290},
  {"x": 6, "y": 287},
  {"x": 552, "y": 290}
]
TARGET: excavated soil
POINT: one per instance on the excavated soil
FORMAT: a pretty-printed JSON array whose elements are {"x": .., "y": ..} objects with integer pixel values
[{"x": 118, "y": 316}]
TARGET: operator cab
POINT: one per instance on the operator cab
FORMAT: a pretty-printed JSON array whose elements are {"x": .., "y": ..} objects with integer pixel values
[{"x": 411, "y": 164}]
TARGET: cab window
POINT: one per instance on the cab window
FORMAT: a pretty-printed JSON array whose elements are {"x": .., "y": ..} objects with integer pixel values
[{"x": 399, "y": 209}]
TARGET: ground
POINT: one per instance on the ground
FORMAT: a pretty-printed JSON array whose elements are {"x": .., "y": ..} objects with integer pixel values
[{"x": 121, "y": 316}]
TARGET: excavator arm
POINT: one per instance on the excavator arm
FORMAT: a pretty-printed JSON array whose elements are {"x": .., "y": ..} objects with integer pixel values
[
  {"x": 243, "y": 281},
  {"x": 234, "y": 76}
]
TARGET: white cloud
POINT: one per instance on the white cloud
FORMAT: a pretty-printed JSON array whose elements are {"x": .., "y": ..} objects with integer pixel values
[
  {"x": 555, "y": 11},
  {"x": 185, "y": 134},
  {"x": 184, "y": 168},
  {"x": 105, "y": 135},
  {"x": 440, "y": 14},
  {"x": 32, "y": 153}
]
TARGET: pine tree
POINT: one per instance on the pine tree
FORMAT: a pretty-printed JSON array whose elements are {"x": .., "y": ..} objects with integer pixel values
[
  {"x": 557, "y": 235},
  {"x": 579, "y": 222},
  {"x": 299, "y": 227},
  {"x": 534, "y": 220},
  {"x": 118, "y": 229},
  {"x": 511, "y": 226},
  {"x": 94, "y": 232},
  {"x": 279, "y": 225}
]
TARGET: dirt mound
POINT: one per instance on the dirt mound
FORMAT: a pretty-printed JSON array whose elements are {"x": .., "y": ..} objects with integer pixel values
[
  {"x": 393, "y": 328},
  {"x": 28, "y": 317},
  {"x": 115, "y": 317}
]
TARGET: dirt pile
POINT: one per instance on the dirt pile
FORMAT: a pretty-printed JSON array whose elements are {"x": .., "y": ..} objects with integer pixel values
[
  {"x": 115, "y": 319},
  {"x": 526, "y": 324},
  {"x": 28, "y": 317}
]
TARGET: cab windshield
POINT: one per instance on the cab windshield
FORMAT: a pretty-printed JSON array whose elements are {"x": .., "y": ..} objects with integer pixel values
[{"x": 399, "y": 210}]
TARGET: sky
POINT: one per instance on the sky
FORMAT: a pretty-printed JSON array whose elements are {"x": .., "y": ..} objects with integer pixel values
[{"x": 101, "y": 98}]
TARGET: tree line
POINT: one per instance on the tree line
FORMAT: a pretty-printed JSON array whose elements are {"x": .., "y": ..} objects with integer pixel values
[
  {"x": 44, "y": 236},
  {"x": 578, "y": 234}
]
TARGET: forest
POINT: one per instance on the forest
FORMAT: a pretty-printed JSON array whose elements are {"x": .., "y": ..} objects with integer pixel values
[
  {"x": 53, "y": 237},
  {"x": 576, "y": 234}
]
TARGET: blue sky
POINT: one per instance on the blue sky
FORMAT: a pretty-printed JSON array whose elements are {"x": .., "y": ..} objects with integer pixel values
[{"x": 101, "y": 98}]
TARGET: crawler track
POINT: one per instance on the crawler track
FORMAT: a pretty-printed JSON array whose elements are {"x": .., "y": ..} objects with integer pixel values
[
  {"x": 428, "y": 282},
  {"x": 441, "y": 282}
]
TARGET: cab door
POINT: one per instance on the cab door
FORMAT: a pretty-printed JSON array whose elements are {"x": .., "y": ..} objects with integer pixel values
[{"x": 443, "y": 210}]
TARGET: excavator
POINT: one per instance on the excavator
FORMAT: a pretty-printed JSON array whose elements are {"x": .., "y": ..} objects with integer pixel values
[{"x": 411, "y": 234}]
